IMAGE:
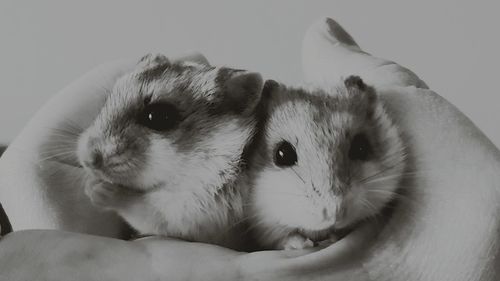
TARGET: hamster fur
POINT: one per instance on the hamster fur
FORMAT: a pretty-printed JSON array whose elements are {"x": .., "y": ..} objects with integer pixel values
[
  {"x": 166, "y": 151},
  {"x": 324, "y": 161}
]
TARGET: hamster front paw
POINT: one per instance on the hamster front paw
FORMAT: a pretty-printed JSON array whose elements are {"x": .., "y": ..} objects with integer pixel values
[
  {"x": 106, "y": 195},
  {"x": 296, "y": 242}
]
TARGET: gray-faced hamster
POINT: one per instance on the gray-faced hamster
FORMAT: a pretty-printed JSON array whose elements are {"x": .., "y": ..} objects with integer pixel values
[
  {"x": 166, "y": 150},
  {"x": 323, "y": 162}
]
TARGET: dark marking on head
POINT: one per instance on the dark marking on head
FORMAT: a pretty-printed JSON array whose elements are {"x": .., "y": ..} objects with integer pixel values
[
  {"x": 363, "y": 96},
  {"x": 356, "y": 99},
  {"x": 153, "y": 73},
  {"x": 224, "y": 74},
  {"x": 151, "y": 60},
  {"x": 240, "y": 90},
  {"x": 355, "y": 81},
  {"x": 269, "y": 87}
]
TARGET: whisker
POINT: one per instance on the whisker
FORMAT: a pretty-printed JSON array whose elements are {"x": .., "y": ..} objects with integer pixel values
[
  {"x": 106, "y": 90},
  {"x": 53, "y": 148},
  {"x": 381, "y": 171},
  {"x": 393, "y": 194},
  {"x": 283, "y": 193},
  {"x": 390, "y": 177},
  {"x": 298, "y": 176},
  {"x": 64, "y": 161},
  {"x": 256, "y": 224},
  {"x": 73, "y": 136},
  {"x": 242, "y": 220},
  {"x": 55, "y": 155},
  {"x": 69, "y": 128},
  {"x": 374, "y": 212},
  {"x": 368, "y": 204}
]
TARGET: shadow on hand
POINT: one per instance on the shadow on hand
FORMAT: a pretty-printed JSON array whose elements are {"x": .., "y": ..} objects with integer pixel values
[{"x": 5, "y": 226}]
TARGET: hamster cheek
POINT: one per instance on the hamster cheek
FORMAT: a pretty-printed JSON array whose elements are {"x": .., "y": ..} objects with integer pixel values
[
  {"x": 379, "y": 189},
  {"x": 163, "y": 165},
  {"x": 235, "y": 137},
  {"x": 217, "y": 157},
  {"x": 367, "y": 198},
  {"x": 279, "y": 198},
  {"x": 355, "y": 208}
]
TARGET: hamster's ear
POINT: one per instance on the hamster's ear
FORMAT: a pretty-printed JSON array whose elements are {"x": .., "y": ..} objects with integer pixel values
[
  {"x": 355, "y": 82},
  {"x": 361, "y": 95},
  {"x": 356, "y": 86},
  {"x": 194, "y": 58},
  {"x": 153, "y": 61},
  {"x": 269, "y": 87},
  {"x": 242, "y": 91}
]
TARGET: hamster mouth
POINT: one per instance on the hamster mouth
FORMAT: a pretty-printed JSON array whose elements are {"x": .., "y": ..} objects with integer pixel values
[
  {"x": 113, "y": 176},
  {"x": 323, "y": 234}
]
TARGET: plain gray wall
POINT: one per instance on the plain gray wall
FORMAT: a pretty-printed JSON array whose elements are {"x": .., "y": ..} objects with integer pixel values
[{"x": 452, "y": 45}]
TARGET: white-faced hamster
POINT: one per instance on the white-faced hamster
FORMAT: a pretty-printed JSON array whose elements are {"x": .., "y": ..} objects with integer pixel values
[
  {"x": 324, "y": 161},
  {"x": 166, "y": 150}
]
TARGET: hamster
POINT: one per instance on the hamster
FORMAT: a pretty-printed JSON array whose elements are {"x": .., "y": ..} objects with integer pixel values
[
  {"x": 167, "y": 149},
  {"x": 324, "y": 162}
]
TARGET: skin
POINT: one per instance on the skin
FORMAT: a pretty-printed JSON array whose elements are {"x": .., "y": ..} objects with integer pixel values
[
  {"x": 72, "y": 256},
  {"x": 430, "y": 239}
]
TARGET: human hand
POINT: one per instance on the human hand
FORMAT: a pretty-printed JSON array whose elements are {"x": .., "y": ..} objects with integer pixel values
[{"x": 52, "y": 255}]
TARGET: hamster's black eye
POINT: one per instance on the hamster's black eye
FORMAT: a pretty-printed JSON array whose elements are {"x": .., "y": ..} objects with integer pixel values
[
  {"x": 361, "y": 148},
  {"x": 160, "y": 116},
  {"x": 285, "y": 155}
]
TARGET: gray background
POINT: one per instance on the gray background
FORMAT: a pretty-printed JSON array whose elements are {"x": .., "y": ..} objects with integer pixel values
[{"x": 452, "y": 45}]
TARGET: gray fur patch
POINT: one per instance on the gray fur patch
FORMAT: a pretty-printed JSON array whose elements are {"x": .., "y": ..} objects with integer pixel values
[{"x": 154, "y": 73}]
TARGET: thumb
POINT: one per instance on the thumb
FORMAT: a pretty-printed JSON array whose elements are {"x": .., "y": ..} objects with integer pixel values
[{"x": 329, "y": 54}]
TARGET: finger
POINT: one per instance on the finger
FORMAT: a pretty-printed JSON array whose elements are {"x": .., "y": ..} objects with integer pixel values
[
  {"x": 337, "y": 262},
  {"x": 344, "y": 251},
  {"x": 292, "y": 253},
  {"x": 329, "y": 54}
]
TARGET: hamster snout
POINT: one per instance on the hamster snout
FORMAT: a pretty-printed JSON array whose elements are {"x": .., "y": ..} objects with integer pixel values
[
  {"x": 106, "y": 155},
  {"x": 112, "y": 157}
]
